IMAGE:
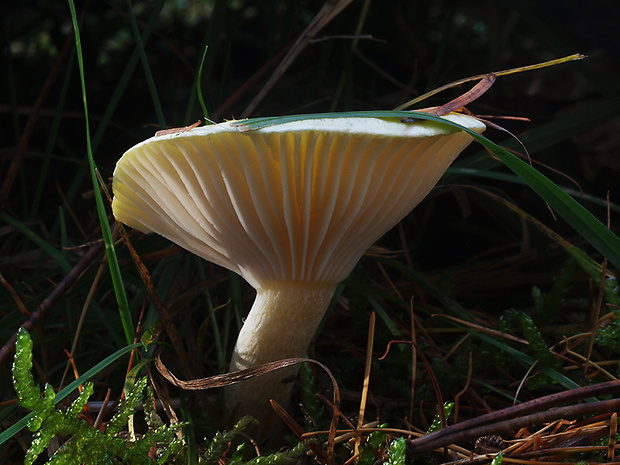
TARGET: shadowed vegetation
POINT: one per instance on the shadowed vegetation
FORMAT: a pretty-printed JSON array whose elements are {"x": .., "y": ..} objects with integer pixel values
[{"x": 505, "y": 302}]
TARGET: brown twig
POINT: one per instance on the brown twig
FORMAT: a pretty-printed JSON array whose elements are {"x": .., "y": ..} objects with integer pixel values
[
  {"x": 163, "y": 132},
  {"x": 164, "y": 315},
  {"x": 242, "y": 375},
  {"x": 247, "y": 85},
  {"x": 596, "y": 318},
  {"x": 366, "y": 384},
  {"x": 329, "y": 11},
  {"x": 431, "y": 374},
  {"x": 521, "y": 415},
  {"x": 51, "y": 299},
  {"x": 461, "y": 101},
  {"x": 298, "y": 430},
  {"x": 576, "y": 56},
  {"x": 355, "y": 430},
  {"x": 16, "y": 298}
]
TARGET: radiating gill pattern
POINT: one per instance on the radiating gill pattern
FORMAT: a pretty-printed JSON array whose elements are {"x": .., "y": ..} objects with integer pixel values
[
  {"x": 414, "y": 170},
  {"x": 299, "y": 206}
]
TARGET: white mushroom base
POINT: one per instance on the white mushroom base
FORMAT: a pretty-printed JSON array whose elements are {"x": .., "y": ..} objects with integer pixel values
[{"x": 280, "y": 325}]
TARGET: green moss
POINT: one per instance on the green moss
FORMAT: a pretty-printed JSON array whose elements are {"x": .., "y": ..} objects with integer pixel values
[{"x": 87, "y": 444}]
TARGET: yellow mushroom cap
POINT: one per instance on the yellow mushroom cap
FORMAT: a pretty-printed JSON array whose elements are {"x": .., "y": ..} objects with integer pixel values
[{"x": 299, "y": 201}]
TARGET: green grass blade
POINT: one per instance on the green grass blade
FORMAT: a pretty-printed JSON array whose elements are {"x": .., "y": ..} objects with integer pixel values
[
  {"x": 217, "y": 338},
  {"x": 551, "y": 133},
  {"x": 512, "y": 178},
  {"x": 590, "y": 228},
  {"x": 205, "y": 112},
  {"x": 455, "y": 308},
  {"x": 115, "y": 271},
  {"x": 125, "y": 78},
  {"x": 147, "y": 67},
  {"x": 113, "y": 103},
  {"x": 215, "y": 29},
  {"x": 392, "y": 327},
  {"x": 525, "y": 359},
  {"x": 38, "y": 240}
]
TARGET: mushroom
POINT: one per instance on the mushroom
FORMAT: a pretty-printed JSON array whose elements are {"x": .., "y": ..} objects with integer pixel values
[{"x": 291, "y": 208}]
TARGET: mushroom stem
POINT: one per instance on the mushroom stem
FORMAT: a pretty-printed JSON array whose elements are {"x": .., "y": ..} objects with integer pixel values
[
  {"x": 291, "y": 207},
  {"x": 281, "y": 324}
]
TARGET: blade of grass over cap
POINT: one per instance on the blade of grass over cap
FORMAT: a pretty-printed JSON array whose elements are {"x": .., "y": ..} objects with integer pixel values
[
  {"x": 551, "y": 133},
  {"x": 597, "y": 234}
]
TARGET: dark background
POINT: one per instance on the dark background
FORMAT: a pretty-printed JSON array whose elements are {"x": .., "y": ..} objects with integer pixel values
[
  {"x": 408, "y": 48},
  {"x": 468, "y": 245}
]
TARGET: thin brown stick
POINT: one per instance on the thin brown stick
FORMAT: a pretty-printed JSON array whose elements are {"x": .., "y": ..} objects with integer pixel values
[
  {"x": 496, "y": 421},
  {"x": 80, "y": 325},
  {"x": 247, "y": 85},
  {"x": 431, "y": 374},
  {"x": 613, "y": 431},
  {"x": 162, "y": 311},
  {"x": 356, "y": 431},
  {"x": 414, "y": 360},
  {"x": 163, "y": 132},
  {"x": 298, "y": 430},
  {"x": 458, "y": 395},
  {"x": 53, "y": 297},
  {"x": 16, "y": 298},
  {"x": 576, "y": 56},
  {"x": 596, "y": 318},
  {"x": 329, "y": 11},
  {"x": 471, "y": 95},
  {"x": 367, "y": 368},
  {"x": 482, "y": 328},
  {"x": 102, "y": 411}
]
